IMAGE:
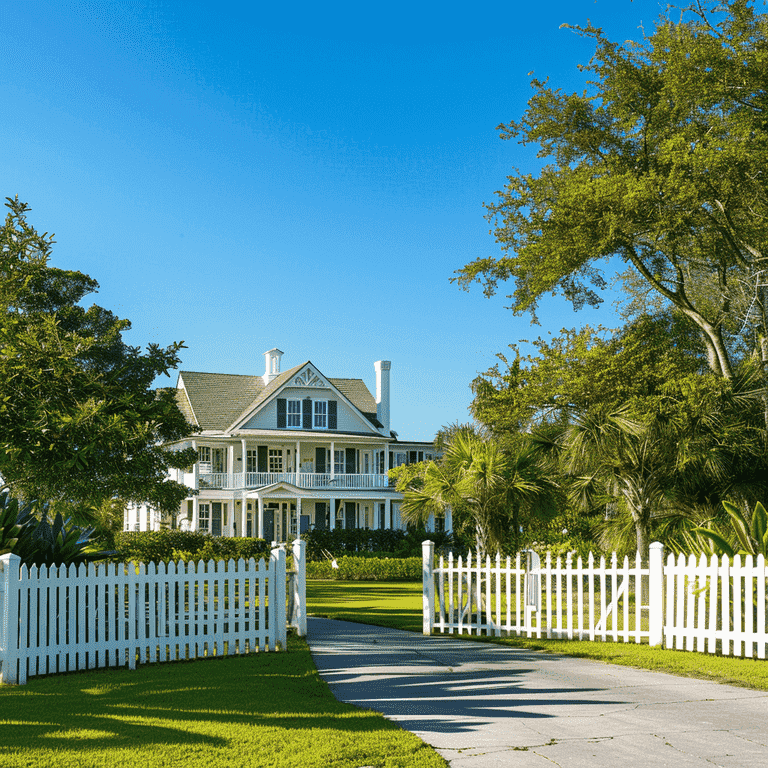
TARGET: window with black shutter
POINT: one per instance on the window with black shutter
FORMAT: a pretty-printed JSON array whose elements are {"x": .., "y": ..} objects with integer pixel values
[
  {"x": 281, "y": 413},
  {"x": 263, "y": 458},
  {"x": 351, "y": 461},
  {"x": 320, "y": 460},
  {"x": 332, "y": 419}
]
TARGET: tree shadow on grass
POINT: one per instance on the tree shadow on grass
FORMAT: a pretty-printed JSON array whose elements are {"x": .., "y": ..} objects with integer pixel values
[{"x": 202, "y": 704}]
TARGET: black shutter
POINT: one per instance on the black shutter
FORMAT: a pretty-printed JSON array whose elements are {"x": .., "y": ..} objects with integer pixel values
[
  {"x": 280, "y": 413},
  {"x": 262, "y": 460},
  {"x": 320, "y": 514},
  {"x": 349, "y": 515},
  {"x": 306, "y": 415},
  {"x": 350, "y": 462},
  {"x": 391, "y": 460},
  {"x": 319, "y": 460},
  {"x": 332, "y": 415}
]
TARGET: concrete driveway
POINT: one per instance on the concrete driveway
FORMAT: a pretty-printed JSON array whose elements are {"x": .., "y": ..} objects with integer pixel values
[{"x": 484, "y": 705}]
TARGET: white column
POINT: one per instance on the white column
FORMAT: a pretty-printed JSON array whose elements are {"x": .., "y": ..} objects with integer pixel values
[
  {"x": 298, "y": 516},
  {"x": 230, "y": 466},
  {"x": 333, "y": 456},
  {"x": 195, "y": 511},
  {"x": 196, "y": 470},
  {"x": 332, "y": 513},
  {"x": 243, "y": 514},
  {"x": 298, "y": 460},
  {"x": 261, "y": 515},
  {"x": 388, "y": 513},
  {"x": 244, "y": 455},
  {"x": 386, "y": 459}
]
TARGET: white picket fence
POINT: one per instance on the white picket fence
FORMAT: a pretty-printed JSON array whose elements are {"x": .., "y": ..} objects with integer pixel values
[
  {"x": 84, "y": 617},
  {"x": 704, "y": 605}
]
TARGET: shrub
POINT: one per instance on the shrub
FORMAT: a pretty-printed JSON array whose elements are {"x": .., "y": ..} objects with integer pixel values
[
  {"x": 361, "y": 541},
  {"x": 167, "y": 545},
  {"x": 353, "y": 568},
  {"x": 26, "y": 531}
]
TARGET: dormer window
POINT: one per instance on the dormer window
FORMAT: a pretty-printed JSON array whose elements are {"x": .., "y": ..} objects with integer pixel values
[
  {"x": 320, "y": 420},
  {"x": 293, "y": 414}
]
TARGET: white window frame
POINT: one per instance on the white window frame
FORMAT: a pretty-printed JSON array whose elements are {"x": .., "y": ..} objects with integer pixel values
[
  {"x": 204, "y": 517},
  {"x": 275, "y": 457},
  {"x": 319, "y": 414},
  {"x": 295, "y": 415},
  {"x": 340, "y": 462}
]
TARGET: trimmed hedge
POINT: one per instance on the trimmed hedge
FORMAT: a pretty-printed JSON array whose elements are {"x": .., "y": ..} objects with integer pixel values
[
  {"x": 362, "y": 541},
  {"x": 167, "y": 545},
  {"x": 367, "y": 569}
]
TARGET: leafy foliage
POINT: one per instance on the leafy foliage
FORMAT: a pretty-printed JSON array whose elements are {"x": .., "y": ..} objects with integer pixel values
[
  {"x": 745, "y": 536},
  {"x": 376, "y": 543},
  {"x": 367, "y": 569},
  {"x": 174, "y": 544},
  {"x": 78, "y": 420},
  {"x": 661, "y": 163},
  {"x": 27, "y": 531}
]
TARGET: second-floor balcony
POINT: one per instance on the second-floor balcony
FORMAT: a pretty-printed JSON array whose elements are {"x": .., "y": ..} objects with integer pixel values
[{"x": 241, "y": 480}]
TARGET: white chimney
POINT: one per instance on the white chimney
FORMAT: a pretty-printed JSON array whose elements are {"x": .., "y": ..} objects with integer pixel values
[
  {"x": 272, "y": 361},
  {"x": 382, "y": 393}
]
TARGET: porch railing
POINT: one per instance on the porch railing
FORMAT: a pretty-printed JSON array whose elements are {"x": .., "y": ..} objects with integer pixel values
[{"x": 226, "y": 481}]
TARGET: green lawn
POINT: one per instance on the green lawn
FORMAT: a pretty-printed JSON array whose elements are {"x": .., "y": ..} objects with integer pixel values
[
  {"x": 268, "y": 709},
  {"x": 384, "y": 603},
  {"x": 398, "y": 604}
]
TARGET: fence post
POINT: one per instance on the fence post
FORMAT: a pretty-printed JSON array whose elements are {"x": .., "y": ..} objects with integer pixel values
[
  {"x": 9, "y": 618},
  {"x": 299, "y": 618},
  {"x": 656, "y": 594},
  {"x": 428, "y": 585},
  {"x": 281, "y": 634}
]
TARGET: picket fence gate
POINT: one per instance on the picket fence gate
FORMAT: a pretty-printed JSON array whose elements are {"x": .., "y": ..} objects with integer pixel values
[
  {"x": 703, "y": 604},
  {"x": 63, "y": 619}
]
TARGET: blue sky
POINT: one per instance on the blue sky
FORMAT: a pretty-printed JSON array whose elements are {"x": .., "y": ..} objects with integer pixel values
[{"x": 242, "y": 176}]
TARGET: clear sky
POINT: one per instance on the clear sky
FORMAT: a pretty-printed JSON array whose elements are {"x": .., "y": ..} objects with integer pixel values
[{"x": 307, "y": 176}]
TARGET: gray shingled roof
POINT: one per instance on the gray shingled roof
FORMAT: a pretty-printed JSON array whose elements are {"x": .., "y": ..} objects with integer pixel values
[{"x": 216, "y": 401}]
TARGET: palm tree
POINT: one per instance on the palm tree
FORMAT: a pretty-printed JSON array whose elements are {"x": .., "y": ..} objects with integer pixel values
[{"x": 485, "y": 487}]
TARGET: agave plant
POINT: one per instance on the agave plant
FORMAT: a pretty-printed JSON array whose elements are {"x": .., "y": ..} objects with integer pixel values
[
  {"x": 752, "y": 534},
  {"x": 27, "y": 532},
  {"x": 13, "y": 520}
]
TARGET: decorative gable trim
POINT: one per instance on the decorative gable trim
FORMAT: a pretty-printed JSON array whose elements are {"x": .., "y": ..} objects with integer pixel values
[
  {"x": 305, "y": 375},
  {"x": 309, "y": 378}
]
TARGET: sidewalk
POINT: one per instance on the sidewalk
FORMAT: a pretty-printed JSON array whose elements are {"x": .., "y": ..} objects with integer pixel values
[{"x": 483, "y": 705}]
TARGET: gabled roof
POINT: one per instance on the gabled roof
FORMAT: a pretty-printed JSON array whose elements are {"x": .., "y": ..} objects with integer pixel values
[
  {"x": 214, "y": 400},
  {"x": 217, "y": 401}
]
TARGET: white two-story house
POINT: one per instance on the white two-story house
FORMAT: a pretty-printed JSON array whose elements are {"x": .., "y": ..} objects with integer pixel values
[{"x": 285, "y": 452}]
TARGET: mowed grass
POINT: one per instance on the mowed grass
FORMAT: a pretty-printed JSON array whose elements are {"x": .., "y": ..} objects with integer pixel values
[
  {"x": 267, "y": 709},
  {"x": 398, "y": 605},
  {"x": 394, "y": 604}
]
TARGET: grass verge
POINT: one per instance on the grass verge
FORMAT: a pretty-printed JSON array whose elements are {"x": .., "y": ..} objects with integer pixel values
[
  {"x": 267, "y": 709},
  {"x": 398, "y": 605}
]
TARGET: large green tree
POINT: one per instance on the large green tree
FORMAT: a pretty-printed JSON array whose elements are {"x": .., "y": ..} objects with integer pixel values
[
  {"x": 79, "y": 421},
  {"x": 660, "y": 162}
]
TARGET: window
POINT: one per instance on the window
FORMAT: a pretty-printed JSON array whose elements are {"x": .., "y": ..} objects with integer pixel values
[
  {"x": 293, "y": 414},
  {"x": 339, "y": 462},
  {"x": 215, "y": 458},
  {"x": 204, "y": 517},
  {"x": 275, "y": 460},
  {"x": 400, "y": 459},
  {"x": 366, "y": 464},
  {"x": 252, "y": 461},
  {"x": 320, "y": 420},
  {"x": 204, "y": 454}
]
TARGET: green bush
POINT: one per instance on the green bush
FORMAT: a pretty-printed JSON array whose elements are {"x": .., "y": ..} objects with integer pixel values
[
  {"x": 367, "y": 569},
  {"x": 362, "y": 541},
  {"x": 27, "y": 531},
  {"x": 167, "y": 545}
]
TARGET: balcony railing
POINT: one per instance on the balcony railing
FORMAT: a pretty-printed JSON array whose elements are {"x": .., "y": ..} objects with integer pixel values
[{"x": 241, "y": 480}]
